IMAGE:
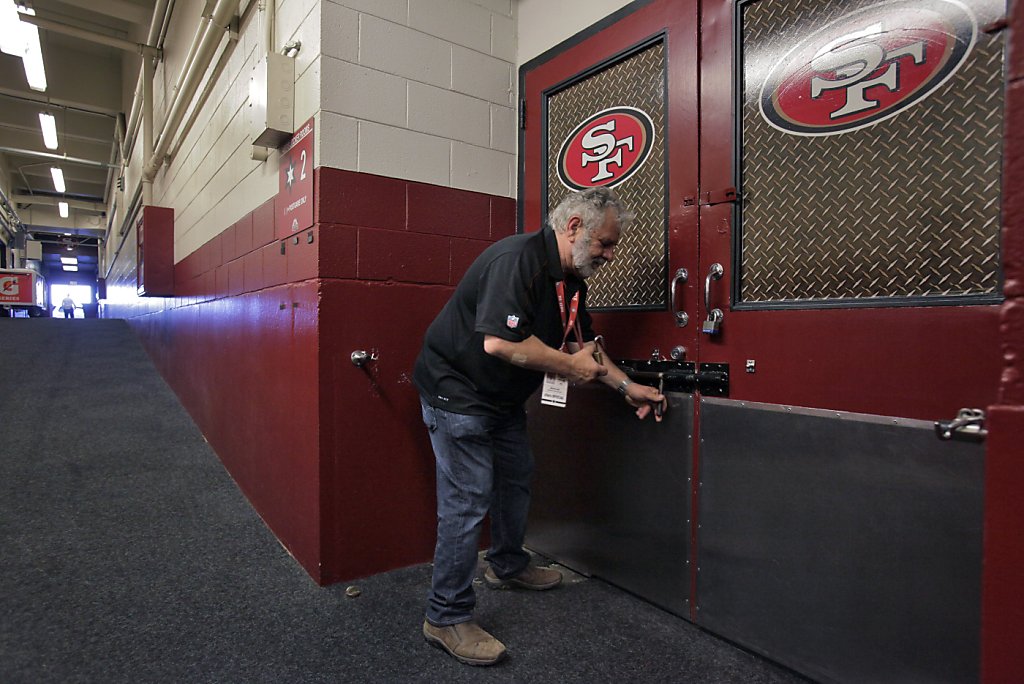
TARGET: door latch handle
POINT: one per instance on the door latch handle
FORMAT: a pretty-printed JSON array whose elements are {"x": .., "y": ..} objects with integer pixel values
[
  {"x": 968, "y": 426},
  {"x": 682, "y": 318},
  {"x": 715, "y": 316}
]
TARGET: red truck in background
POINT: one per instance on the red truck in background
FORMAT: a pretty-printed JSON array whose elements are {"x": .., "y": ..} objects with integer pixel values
[{"x": 23, "y": 289}]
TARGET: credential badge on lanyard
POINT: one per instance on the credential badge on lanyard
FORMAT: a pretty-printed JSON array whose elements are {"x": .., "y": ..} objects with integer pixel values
[{"x": 555, "y": 390}]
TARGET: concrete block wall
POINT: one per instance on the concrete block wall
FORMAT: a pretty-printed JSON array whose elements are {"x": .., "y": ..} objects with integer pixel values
[
  {"x": 421, "y": 90},
  {"x": 411, "y": 243},
  {"x": 210, "y": 179},
  {"x": 414, "y": 90}
]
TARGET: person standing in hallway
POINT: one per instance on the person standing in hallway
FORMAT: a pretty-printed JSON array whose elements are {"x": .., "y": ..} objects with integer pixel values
[
  {"x": 68, "y": 306},
  {"x": 516, "y": 320}
]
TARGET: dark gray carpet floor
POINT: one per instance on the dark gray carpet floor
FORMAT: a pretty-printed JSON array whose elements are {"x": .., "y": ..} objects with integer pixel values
[{"x": 129, "y": 555}]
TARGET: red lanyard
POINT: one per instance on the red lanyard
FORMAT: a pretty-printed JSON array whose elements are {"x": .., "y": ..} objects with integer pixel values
[{"x": 570, "y": 323}]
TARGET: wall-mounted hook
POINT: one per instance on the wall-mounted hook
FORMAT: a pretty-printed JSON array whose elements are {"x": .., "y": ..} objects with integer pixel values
[{"x": 361, "y": 357}]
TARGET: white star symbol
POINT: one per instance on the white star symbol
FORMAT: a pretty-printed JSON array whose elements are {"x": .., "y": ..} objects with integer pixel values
[{"x": 291, "y": 175}]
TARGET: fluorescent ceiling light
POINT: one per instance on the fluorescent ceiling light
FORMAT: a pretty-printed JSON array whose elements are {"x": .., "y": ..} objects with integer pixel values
[
  {"x": 12, "y": 41},
  {"x": 69, "y": 261},
  {"x": 33, "y": 59},
  {"x": 63, "y": 207},
  {"x": 49, "y": 126},
  {"x": 21, "y": 39},
  {"x": 70, "y": 268},
  {"x": 58, "y": 178}
]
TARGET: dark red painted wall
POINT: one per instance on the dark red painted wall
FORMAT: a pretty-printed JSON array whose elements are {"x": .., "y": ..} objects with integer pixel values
[
  {"x": 1002, "y": 615},
  {"x": 397, "y": 250},
  {"x": 257, "y": 344},
  {"x": 238, "y": 344}
]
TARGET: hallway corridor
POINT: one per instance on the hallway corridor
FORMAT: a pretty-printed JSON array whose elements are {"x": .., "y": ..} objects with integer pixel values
[{"x": 129, "y": 555}]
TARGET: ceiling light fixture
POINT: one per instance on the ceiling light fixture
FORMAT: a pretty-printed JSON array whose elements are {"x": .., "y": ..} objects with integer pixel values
[
  {"x": 21, "y": 39},
  {"x": 63, "y": 208},
  {"x": 11, "y": 40},
  {"x": 49, "y": 126},
  {"x": 70, "y": 268},
  {"x": 69, "y": 261},
  {"x": 58, "y": 178}
]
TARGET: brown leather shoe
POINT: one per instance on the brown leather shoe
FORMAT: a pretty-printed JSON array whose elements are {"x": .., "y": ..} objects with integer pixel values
[
  {"x": 467, "y": 642},
  {"x": 537, "y": 579}
]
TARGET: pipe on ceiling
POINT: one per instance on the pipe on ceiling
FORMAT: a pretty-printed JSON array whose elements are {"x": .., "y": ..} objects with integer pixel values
[
  {"x": 60, "y": 157},
  {"x": 52, "y": 200},
  {"x": 91, "y": 36}
]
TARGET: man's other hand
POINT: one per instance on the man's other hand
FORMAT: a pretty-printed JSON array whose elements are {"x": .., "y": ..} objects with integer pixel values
[
  {"x": 584, "y": 367},
  {"x": 646, "y": 399}
]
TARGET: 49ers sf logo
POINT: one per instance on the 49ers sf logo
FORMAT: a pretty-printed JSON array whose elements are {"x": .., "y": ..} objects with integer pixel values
[
  {"x": 606, "y": 149},
  {"x": 868, "y": 66}
]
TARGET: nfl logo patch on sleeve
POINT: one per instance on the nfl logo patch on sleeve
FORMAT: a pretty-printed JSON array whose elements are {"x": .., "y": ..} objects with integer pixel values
[{"x": 512, "y": 321}]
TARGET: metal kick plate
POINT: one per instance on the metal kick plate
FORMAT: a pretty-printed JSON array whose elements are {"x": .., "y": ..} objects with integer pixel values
[
  {"x": 845, "y": 546},
  {"x": 611, "y": 494}
]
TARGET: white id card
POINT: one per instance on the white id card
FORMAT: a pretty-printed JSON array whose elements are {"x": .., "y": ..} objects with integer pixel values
[{"x": 555, "y": 390}]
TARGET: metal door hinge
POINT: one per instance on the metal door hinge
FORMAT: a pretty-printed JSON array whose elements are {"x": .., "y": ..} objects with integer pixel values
[
  {"x": 996, "y": 26},
  {"x": 713, "y": 197},
  {"x": 522, "y": 115},
  {"x": 968, "y": 426}
]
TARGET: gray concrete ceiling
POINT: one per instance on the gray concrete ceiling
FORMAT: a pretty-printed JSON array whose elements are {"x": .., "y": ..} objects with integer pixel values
[{"x": 88, "y": 84}]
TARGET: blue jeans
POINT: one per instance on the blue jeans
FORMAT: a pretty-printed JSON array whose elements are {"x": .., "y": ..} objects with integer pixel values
[{"x": 483, "y": 464}]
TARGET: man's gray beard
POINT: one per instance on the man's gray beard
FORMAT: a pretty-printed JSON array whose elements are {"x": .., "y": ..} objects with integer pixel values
[{"x": 585, "y": 265}]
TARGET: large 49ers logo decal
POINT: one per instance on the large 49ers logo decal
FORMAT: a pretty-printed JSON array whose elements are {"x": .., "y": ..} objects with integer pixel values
[
  {"x": 606, "y": 149},
  {"x": 868, "y": 66}
]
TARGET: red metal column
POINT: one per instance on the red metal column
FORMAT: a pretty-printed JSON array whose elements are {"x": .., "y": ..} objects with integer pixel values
[{"x": 1002, "y": 611}]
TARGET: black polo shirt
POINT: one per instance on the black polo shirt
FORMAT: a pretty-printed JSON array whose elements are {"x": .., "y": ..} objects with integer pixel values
[{"x": 508, "y": 292}]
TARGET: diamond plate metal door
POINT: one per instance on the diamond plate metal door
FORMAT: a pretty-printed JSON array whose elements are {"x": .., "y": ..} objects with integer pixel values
[
  {"x": 861, "y": 262},
  {"x": 641, "y": 61},
  {"x": 637, "y": 278}
]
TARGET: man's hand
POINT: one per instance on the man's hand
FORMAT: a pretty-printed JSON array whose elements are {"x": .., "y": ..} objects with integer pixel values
[
  {"x": 644, "y": 399},
  {"x": 584, "y": 367},
  {"x": 578, "y": 367}
]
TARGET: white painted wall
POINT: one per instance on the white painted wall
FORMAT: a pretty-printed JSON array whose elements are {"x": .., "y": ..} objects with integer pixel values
[
  {"x": 414, "y": 89},
  {"x": 421, "y": 90},
  {"x": 210, "y": 180},
  {"x": 543, "y": 24}
]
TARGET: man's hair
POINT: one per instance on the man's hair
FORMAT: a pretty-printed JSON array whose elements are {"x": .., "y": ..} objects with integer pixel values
[{"x": 590, "y": 205}]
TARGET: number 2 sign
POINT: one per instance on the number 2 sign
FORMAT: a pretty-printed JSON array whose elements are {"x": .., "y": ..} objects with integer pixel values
[{"x": 295, "y": 184}]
